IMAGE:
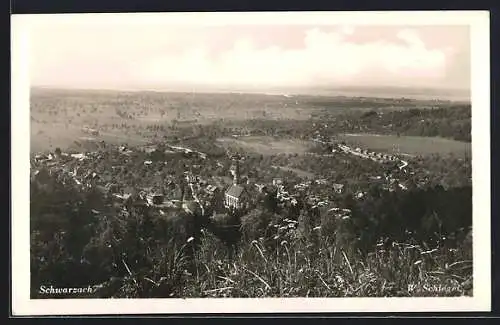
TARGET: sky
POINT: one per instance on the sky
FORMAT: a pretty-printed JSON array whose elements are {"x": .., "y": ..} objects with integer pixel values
[{"x": 119, "y": 54}]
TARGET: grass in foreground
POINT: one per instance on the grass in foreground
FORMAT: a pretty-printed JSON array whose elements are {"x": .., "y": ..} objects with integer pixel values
[{"x": 300, "y": 267}]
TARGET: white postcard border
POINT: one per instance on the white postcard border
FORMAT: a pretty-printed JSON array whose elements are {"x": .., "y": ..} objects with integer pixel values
[{"x": 480, "y": 96}]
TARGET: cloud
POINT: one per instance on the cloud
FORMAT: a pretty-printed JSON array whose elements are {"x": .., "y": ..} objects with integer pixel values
[
  {"x": 119, "y": 54},
  {"x": 411, "y": 37},
  {"x": 326, "y": 58}
]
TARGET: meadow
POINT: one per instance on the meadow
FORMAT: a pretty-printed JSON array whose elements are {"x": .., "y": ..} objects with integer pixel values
[
  {"x": 57, "y": 116},
  {"x": 266, "y": 145}
]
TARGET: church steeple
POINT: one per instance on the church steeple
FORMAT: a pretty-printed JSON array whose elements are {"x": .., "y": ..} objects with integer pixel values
[
  {"x": 236, "y": 196},
  {"x": 236, "y": 171},
  {"x": 187, "y": 187},
  {"x": 236, "y": 179}
]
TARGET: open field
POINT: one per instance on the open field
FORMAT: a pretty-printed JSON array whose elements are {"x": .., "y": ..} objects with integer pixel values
[
  {"x": 143, "y": 106},
  {"x": 266, "y": 145},
  {"x": 48, "y": 137},
  {"x": 57, "y": 117},
  {"x": 407, "y": 144},
  {"x": 101, "y": 108}
]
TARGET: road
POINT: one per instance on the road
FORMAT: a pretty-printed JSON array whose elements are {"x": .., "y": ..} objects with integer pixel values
[{"x": 195, "y": 197}]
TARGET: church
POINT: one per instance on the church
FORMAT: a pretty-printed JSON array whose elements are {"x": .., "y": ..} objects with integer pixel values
[{"x": 236, "y": 196}]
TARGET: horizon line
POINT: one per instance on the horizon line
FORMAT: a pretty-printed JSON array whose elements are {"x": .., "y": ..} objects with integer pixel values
[{"x": 280, "y": 91}]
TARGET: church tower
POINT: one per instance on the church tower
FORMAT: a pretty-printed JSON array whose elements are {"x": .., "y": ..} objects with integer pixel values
[
  {"x": 236, "y": 195},
  {"x": 236, "y": 171}
]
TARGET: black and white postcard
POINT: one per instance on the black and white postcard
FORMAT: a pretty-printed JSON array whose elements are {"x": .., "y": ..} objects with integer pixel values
[{"x": 250, "y": 162}]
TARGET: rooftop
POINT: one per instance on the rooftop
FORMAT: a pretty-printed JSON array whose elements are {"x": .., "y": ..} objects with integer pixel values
[{"x": 235, "y": 190}]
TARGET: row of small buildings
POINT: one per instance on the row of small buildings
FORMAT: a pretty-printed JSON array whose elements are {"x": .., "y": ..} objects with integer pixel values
[{"x": 365, "y": 153}]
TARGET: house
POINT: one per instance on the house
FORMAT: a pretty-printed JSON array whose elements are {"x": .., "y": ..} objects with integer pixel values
[
  {"x": 236, "y": 196},
  {"x": 338, "y": 188},
  {"x": 88, "y": 130},
  {"x": 344, "y": 148},
  {"x": 155, "y": 199},
  {"x": 79, "y": 156},
  {"x": 321, "y": 181},
  {"x": 190, "y": 178},
  {"x": 211, "y": 189},
  {"x": 260, "y": 187},
  {"x": 359, "y": 195},
  {"x": 40, "y": 157},
  {"x": 122, "y": 197},
  {"x": 150, "y": 150}
]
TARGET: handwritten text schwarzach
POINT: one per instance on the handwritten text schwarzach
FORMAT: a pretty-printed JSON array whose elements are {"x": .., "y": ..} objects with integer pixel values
[{"x": 53, "y": 290}]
